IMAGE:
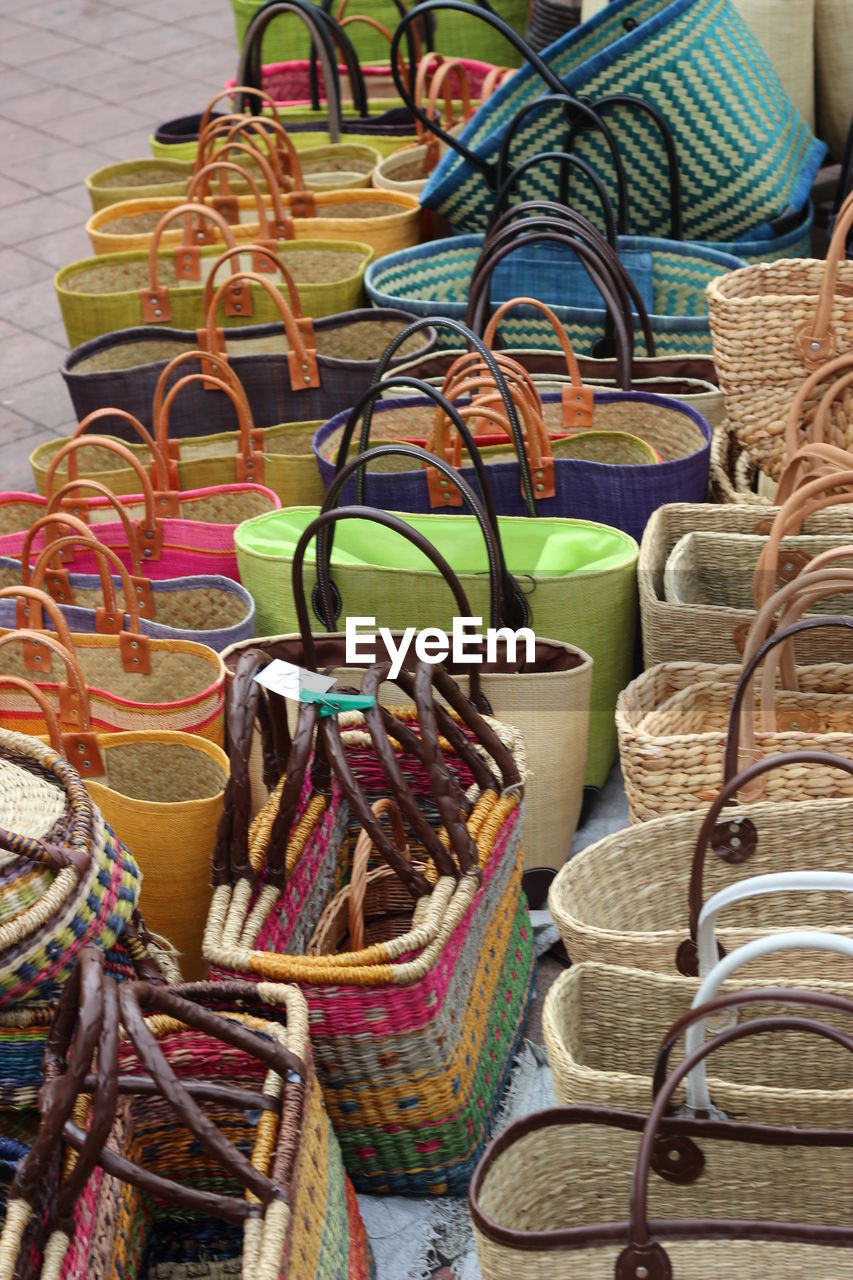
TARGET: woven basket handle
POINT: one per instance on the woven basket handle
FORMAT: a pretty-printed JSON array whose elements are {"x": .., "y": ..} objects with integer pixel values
[
  {"x": 806, "y": 392},
  {"x": 301, "y": 344},
  {"x": 425, "y": 10},
  {"x": 156, "y": 308},
  {"x": 734, "y": 839},
  {"x": 602, "y": 106},
  {"x": 814, "y": 495},
  {"x": 249, "y": 462},
  {"x": 644, "y": 1256},
  {"x": 364, "y": 847},
  {"x": 816, "y": 340},
  {"x": 249, "y": 69},
  {"x": 149, "y": 536},
  {"x": 284, "y": 153},
  {"x": 237, "y": 94},
  {"x": 109, "y": 620},
  {"x": 578, "y": 400}
]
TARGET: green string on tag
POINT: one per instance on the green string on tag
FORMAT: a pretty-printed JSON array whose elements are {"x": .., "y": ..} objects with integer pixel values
[{"x": 331, "y": 704}]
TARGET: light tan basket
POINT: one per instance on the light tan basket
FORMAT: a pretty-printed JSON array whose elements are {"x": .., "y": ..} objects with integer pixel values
[{"x": 633, "y": 899}]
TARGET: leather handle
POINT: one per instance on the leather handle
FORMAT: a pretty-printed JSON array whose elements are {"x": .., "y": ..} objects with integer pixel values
[
  {"x": 260, "y": 251},
  {"x": 567, "y": 162},
  {"x": 283, "y": 159},
  {"x": 218, "y": 368},
  {"x": 199, "y": 187},
  {"x": 364, "y": 847},
  {"x": 149, "y": 529},
  {"x": 30, "y": 617},
  {"x": 100, "y": 415},
  {"x": 113, "y": 623},
  {"x": 784, "y": 660},
  {"x": 172, "y": 215},
  {"x": 814, "y": 495},
  {"x": 250, "y": 462},
  {"x": 48, "y": 714},
  {"x": 816, "y": 340},
  {"x": 235, "y": 128},
  {"x": 236, "y": 93}
]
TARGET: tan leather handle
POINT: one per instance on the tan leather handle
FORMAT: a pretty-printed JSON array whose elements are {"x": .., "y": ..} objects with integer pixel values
[
  {"x": 64, "y": 651},
  {"x": 232, "y": 93},
  {"x": 258, "y": 251},
  {"x": 814, "y": 495},
  {"x": 222, "y": 128},
  {"x": 219, "y": 368},
  {"x": 439, "y": 84},
  {"x": 54, "y": 732},
  {"x": 155, "y": 299},
  {"x": 817, "y": 340},
  {"x": 809, "y": 461},
  {"x": 270, "y": 231},
  {"x": 33, "y": 603},
  {"x": 121, "y": 451},
  {"x": 249, "y": 462},
  {"x": 285, "y": 153},
  {"x": 110, "y": 619},
  {"x": 364, "y": 847},
  {"x": 302, "y": 351},
  {"x": 199, "y": 187},
  {"x": 55, "y": 523},
  {"x": 805, "y": 392},
  {"x": 578, "y": 400},
  {"x": 493, "y": 80},
  {"x": 784, "y": 658},
  {"x": 470, "y": 368},
  {"x": 158, "y": 461}
]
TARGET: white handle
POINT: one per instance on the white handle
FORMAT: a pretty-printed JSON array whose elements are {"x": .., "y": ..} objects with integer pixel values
[{"x": 698, "y": 1097}]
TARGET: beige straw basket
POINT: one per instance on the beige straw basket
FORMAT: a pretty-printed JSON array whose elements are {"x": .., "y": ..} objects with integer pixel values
[
  {"x": 673, "y": 631},
  {"x": 773, "y": 325},
  {"x": 603, "y": 1025},
  {"x": 625, "y": 900}
]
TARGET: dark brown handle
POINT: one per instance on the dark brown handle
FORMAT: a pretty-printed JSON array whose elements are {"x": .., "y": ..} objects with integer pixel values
[
  {"x": 686, "y": 958},
  {"x": 643, "y": 1251},
  {"x": 733, "y": 1000}
]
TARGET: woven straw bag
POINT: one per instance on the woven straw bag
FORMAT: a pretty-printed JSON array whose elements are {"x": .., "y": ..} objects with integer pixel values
[
  {"x": 468, "y": 947},
  {"x": 239, "y": 1154},
  {"x": 548, "y": 700},
  {"x": 772, "y": 327},
  {"x": 386, "y": 221},
  {"x": 608, "y": 1059},
  {"x": 726, "y": 196},
  {"x": 119, "y": 290},
  {"x": 607, "y": 481},
  {"x": 727, "y": 1197},
  {"x": 134, "y": 682},
  {"x": 162, "y": 794},
  {"x": 179, "y": 532},
  {"x": 208, "y": 609},
  {"x": 613, "y": 907}
]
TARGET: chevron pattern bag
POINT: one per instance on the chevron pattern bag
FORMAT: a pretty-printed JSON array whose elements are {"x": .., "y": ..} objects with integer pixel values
[{"x": 748, "y": 157}]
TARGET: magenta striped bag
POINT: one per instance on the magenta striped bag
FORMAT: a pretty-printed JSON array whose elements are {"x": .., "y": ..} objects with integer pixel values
[{"x": 172, "y": 533}]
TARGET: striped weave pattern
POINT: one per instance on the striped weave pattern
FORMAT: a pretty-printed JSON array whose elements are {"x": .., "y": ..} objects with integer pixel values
[{"x": 746, "y": 153}]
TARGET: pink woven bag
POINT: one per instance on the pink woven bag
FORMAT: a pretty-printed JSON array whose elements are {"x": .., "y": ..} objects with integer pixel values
[{"x": 175, "y": 532}]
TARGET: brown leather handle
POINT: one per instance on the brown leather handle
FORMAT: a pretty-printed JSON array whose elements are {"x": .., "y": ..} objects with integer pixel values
[
  {"x": 578, "y": 400},
  {"x": 71, "y": 447},
  {"x": 643, "y": 1254},
  {"x": 30, "y": 616},
  {"x": 210, "y": 304},
  {"x": 110, "y": 620},
  {"x": 732, "y": 842},
  {"x": 55, "y": 523},
  {"x": 286, "y": 153},
  {"x": 814, "y": 495},
  {"x": 810, "y": 461},
  {"x": 54, "y": 732},
  {"x": 232, "y": 93},
  {"x": 64, "y": 649},
  {"x": 816, "y": 340},
  {"x": 172, "y": 215},
  {"x": 98, "y": 415},
  {"x": 469, "y": 370},
  {"x": 199, "y": 187},
  {"x": 793, "y": 421},
  {"x": 249, "y": 462},
  {"x": 364, "y": 847},
  {"x": 219, "y": 369},
  {"x": 784, "y": 659}
]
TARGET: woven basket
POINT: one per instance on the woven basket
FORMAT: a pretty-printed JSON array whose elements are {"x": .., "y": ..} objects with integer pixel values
[
  {"x": 694, "y": 633},
  {"x": 586, "y": 1193},
  {"x": 98, "y": 295},
  {"x": 773, "y": 327},
  {"x": 302, "y": 1222},
  {"x": 469, "y": 949},
  {"x": 603, "y": 1026},
  {"x": 325, "y": 168},
  {"x": 612, "y": 905}
]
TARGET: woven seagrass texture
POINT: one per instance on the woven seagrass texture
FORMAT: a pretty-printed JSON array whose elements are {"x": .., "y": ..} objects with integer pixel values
[
  {"x": 579, "y": 1175},
  {"x": 412, "y": 1100},
  {"x": 624, "y": 899},
  {"x": 184, "y": 689},
  {"x": 734, "y": 475},
  {"x": 386, "y": 221},
  {"x": 124, "y": 369},
  {"x": 593, "y": 608},
  {"x": 604, "y": 1024},
  {"x": 671, "y": 723},
  {"x": 756, "y": 316},
  {"x": 434, "y": 279},
  {"x": 46, "y": 915},
  {"x": 692, "y": 632},
  {"x": 699, "y": 64},
  {"x": 99, "y": 295},
  {"x": 210, "y": 610}
]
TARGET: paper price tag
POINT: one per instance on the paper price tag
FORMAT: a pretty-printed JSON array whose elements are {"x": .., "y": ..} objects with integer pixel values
[{"x": 292, "y": 681}]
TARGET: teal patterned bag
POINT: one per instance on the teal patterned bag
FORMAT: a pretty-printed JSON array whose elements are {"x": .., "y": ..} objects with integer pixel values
[{"x": 748, "y": 158}]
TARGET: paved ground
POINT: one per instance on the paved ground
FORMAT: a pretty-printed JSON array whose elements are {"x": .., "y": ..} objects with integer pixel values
[{"x": 84, "y": 82}]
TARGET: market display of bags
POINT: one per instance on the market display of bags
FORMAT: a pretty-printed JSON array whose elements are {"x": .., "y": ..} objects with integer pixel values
[{"x": 434, "y": 609}]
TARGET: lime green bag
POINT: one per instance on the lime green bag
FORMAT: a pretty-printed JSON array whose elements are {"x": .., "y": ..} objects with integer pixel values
[
  {"x": 172, "y": 286},
  {"x": 578, "y": 581}
]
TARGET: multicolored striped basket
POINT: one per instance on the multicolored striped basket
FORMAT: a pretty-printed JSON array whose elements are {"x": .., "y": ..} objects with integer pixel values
[
  {"x": 227, "y": 1166},
  {"x": 748, "y": 157},
  {"x": 414, "y": 1034},
  {"x": 434, "y": 280}
]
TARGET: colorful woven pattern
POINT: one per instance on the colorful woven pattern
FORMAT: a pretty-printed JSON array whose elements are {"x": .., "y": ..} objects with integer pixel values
[
  {"x": 434, "y": 280},
  {"x": 746, "y": 153}
]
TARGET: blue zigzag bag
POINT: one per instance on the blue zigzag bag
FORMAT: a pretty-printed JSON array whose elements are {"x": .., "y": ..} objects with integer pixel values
[{"x": 748, "y": 157}]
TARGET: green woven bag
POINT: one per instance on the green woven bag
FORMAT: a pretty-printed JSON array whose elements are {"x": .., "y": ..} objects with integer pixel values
[{"x": 123, "y": 290}]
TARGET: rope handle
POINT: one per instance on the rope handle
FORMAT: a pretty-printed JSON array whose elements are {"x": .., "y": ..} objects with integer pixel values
[{"x": 364, "y": 847}]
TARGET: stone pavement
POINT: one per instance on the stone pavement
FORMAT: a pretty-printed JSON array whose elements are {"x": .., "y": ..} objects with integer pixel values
[{"x": 83, "y": 84}]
